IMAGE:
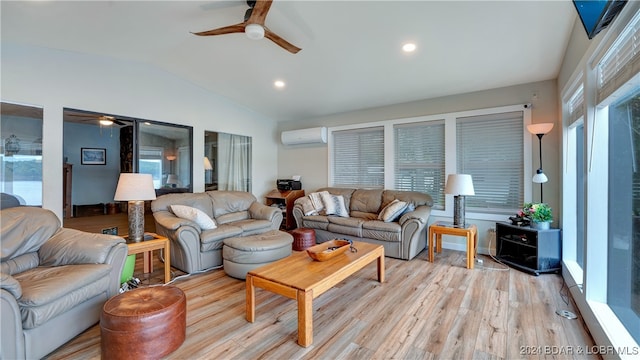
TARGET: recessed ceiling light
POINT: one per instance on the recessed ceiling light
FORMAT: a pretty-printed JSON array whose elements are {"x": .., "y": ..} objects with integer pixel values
[
  {"x": 279, "y": 84},
  {"x": 409, "y": 47}
]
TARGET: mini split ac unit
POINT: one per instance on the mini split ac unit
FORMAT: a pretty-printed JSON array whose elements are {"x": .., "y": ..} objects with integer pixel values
[{"x": 304, "y": 136}]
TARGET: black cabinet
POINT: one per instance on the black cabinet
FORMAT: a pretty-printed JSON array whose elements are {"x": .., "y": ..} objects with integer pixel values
[{"x": 527, "y": 249}]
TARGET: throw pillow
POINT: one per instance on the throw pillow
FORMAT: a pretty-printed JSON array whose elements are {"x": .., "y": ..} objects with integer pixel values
[
  {"x": 307, "y": 207},
  {"x": 392, "y": 210},
  {"x": 316, "y": 200},
  {"x": 196, "y": 215},
  {"x": 334, "y": 205}
]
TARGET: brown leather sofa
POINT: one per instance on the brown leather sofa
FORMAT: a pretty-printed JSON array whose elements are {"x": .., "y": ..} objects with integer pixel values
[
  {"x": 54, "y": 281},
  {"x": 402, "y": 238},
  {"x": 236, "y": 213}
]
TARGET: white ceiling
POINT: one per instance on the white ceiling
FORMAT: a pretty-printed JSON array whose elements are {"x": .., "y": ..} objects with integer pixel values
[{"x": 350, "y": 58}]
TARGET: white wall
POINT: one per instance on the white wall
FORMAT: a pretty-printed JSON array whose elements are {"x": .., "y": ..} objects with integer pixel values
[
  {"x": 56, "y": 79},
  {"x": 311, "y": 161}
]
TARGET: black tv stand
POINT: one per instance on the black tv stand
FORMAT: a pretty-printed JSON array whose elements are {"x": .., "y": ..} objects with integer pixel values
[{"x": 527, "y": 249}]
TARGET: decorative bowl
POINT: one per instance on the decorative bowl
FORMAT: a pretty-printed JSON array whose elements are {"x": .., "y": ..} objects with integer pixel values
[{"x": 328, "y": 250}]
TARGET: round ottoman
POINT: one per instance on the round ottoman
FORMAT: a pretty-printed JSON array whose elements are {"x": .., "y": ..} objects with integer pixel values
[
  {"x": 303, "y": 238},
  {"x": 243, "y": 254},
  {"x": 145, "y": 323}
]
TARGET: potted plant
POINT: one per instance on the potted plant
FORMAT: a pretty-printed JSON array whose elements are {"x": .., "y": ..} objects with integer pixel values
[{"x": 539, "y": 214}]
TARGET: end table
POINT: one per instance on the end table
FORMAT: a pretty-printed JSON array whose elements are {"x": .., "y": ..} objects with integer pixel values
[{"x": 439, "y": 228}]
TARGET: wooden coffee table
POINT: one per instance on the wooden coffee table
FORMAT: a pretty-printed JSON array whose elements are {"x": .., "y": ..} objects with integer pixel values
[{"x": 300, "y": 278}]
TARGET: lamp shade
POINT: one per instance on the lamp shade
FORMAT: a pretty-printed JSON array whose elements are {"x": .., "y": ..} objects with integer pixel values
[
  {"x": 207, "y": 164},
  {"x": 540, "y": 177},
  {"x": 172, "y": 179},
  {"x": 459, "y": 184},
  {"x": 541, "y": 128},
  {"x": 134, "y": 187}
]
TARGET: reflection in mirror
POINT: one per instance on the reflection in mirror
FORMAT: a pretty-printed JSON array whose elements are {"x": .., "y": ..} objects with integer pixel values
[
  {"x": 165, "y": 153},
  {"x": 227, "y": 161},
  {"x": 98, "y": 147},
  {"x": 21, "y": 155}
]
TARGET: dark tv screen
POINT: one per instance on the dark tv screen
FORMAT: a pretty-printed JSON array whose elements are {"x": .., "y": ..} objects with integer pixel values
[{"x": 597, "y": 14}]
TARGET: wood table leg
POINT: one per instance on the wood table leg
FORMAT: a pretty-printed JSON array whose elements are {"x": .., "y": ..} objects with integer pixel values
[
  {"x": 251, "y": 299},
  {"x": 381, "y": 268},
  {"x": 147, "y": 262},
  {"x": 167, "y": 263},
  {"x": 430, "y": 244},
  {"x": 438, "y": 242},
  {"x": 470, "y": 250},
  {"x": 305, "y": 317}
]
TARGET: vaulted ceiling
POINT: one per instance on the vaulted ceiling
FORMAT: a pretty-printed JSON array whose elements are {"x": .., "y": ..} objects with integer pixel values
[{"x": 351, "y": 55}]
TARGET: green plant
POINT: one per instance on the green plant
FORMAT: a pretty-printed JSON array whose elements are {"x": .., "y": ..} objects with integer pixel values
[{"x": 540, "y": 212}]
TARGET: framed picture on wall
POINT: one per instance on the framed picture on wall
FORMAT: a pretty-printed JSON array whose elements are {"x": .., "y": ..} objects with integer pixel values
[{"x": 93, "y": 156}]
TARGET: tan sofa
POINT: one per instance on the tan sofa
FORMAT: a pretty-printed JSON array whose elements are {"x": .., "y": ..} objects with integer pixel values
[
  {"x": 236, "y": 214},
  {"x": 402, "y": 238},
  {"x": 54, "y": 281}
]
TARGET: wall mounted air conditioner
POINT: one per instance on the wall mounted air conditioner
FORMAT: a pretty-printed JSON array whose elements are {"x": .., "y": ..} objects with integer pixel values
[{"x": 304, "y": 136}]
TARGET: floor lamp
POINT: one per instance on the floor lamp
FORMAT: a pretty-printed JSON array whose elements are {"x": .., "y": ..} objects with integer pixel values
[
  {"x": 135, "y": 188},
  {"x": 539, "y": 130}
]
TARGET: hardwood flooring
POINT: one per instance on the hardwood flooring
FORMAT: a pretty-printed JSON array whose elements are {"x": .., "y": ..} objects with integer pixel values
[{"x": 423, "y": 310}]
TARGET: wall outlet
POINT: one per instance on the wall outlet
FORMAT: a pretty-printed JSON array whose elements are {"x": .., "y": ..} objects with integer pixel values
[{"x": 110, "y": 231}]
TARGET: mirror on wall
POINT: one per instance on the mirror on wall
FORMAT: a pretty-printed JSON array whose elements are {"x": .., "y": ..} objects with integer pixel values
[
  {"x": 227, "y": 161},
  {"x": 98, "y": 147},
  {"x": 21, "y": 154}
]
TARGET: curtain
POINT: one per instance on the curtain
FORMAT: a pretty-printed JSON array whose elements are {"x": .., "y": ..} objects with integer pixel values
[{"x": 234, "y": 156}]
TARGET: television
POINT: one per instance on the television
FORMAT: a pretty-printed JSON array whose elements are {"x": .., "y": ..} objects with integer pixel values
[{"x": 597, "y": 14}]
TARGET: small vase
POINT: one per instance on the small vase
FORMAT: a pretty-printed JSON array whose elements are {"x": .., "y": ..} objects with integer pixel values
[{"x": 544, "y": 225}]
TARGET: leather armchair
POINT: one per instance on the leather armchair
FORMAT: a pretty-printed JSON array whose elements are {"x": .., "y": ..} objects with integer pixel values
[{"x": 53, "y": 281}]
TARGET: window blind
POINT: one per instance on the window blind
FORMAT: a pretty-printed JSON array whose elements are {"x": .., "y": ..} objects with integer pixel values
[
  {"x": 621, "y": 62},
  {"x": 490, "y": 149},
  {"x": 358, "y": 158},
  {"x": 576, "y": 105},
  {"x": 419, "y": 159}
]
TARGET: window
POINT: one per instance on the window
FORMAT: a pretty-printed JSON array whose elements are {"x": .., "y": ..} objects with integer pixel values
[
  {"x": 151, "y": 163},
  {"x": 420, "y": 160},
  {"x": 416, "y": 154},
  {"x": 21, "y": 157},
  {"x": 358, "y": 158},
  {"x": 623, "y": 272},
  {"x": 490, "y": 149}
]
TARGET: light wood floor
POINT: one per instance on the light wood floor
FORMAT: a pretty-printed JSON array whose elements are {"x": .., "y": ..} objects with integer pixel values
[{"x": 424, "y": 310}]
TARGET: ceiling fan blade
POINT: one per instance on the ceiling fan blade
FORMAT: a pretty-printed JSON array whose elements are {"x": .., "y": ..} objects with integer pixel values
[
  {"x": 280, "y": 41},
  {"x": 259, "y": 12},
  {"x": 237, "y": 28}
]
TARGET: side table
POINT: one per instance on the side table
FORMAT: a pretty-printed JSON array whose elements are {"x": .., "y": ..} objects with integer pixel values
[
  {"x": 439, "y": 228},
  {"x": 156, "y": 242}
]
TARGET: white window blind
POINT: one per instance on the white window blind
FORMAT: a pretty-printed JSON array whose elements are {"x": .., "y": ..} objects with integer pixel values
[
  {"x": 621, "y": 62},
  {"x": 490, "y": 149},
  {"x": 358, "y": 158},
  {"x": 419, "y": 159},
  {"x": 576, "y": 105}
]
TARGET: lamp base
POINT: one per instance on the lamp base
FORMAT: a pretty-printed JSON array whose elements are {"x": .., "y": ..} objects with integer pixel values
[
  {"x": 458, "y": 211},
  {"x": 136, "y": 220}
]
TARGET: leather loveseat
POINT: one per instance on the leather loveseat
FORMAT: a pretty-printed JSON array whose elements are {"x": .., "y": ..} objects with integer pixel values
[
  {"x": 234, "y": 213},
  {"x": 54, "y": 281},
  {"x": 403, "y": 234}
]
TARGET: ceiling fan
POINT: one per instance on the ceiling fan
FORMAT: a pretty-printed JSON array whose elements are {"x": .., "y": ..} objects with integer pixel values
[
  {"x": 105, "y": 120},
  {"x": 253, "y": 26}
]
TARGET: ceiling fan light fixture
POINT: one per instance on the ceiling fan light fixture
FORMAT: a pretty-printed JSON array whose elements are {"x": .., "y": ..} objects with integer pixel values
[{"x": 254, "y": 31}]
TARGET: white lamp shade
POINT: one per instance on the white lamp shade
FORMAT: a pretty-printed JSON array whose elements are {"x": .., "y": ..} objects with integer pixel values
[
  {"x": 459, "y": 184},
  {"x": 172, "y": 179},
  {"x": 541, "y": 128},
  {"x": 207, "y": 164},
  {"x": 254, "y": 31},
  {"x": 132, "y": 186},
  {"x": 540, "y": 177}
]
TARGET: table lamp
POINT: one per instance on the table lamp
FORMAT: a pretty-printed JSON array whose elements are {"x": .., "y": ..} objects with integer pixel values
[
  {"x": 172, "y": 180},
  {"x": 208, "y": 169},
  {"x": 459, "y": 185},
  {"x": 135, "y": 188}
]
